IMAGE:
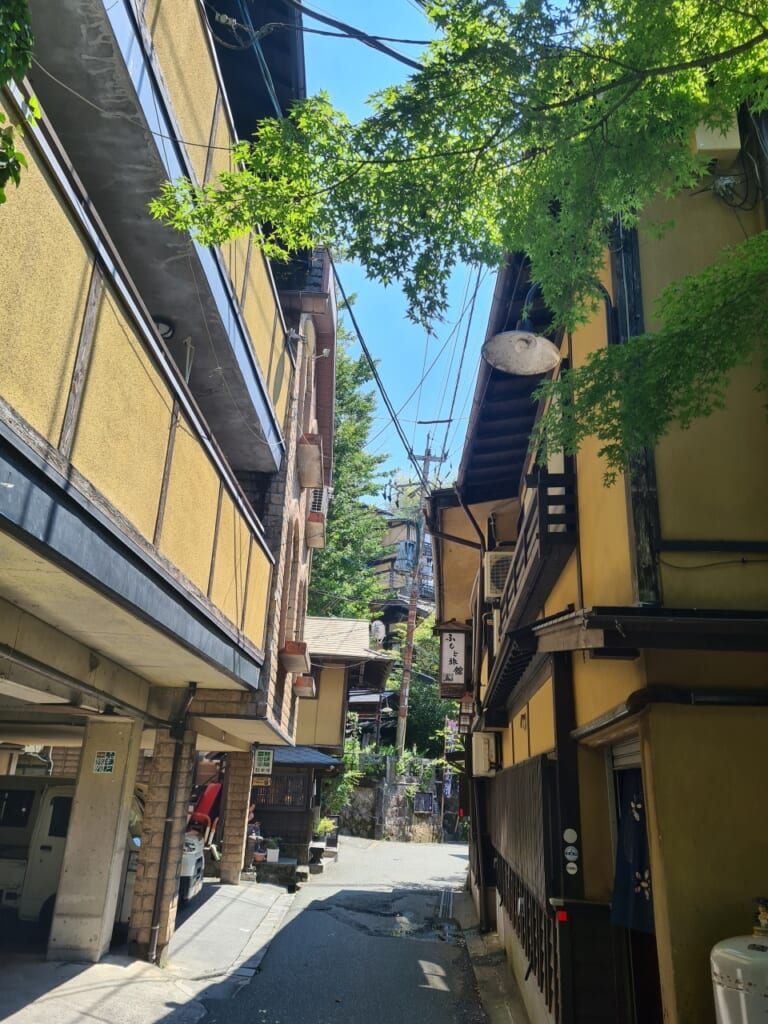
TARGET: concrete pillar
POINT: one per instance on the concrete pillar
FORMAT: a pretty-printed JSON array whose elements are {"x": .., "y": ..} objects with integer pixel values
[
  {"x": 234, "y": 810},
  {"x": 96, "y": 841},
  {"x": 148, "y": 872}
]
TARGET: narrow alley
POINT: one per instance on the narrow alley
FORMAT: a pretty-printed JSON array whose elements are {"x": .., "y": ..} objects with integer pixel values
[
  {"x": 378, "y": 937},
  {"x": 373, "y": 939}
]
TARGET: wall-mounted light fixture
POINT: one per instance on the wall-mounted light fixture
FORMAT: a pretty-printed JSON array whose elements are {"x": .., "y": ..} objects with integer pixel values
[
  {"x": 165, "y": 327},
  {"x": 521, "y": 351}
]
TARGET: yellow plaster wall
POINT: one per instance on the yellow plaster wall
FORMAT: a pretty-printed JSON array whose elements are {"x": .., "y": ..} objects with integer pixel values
[
  {"x": 260, "y": 314},
  {"x": 232, "y": 544},
  {"x": 462, "y": 562},
  {"x": 604, "y": 545},
  {"x": 122, "y": 432},
  {"x": 320, "y": 721},
  {"x": 599, "y": 686},
  {"x": 187, "y": 67},
  {"x": 704, "y": 771},
  {"x": 40, "y": 324},
  {"x": 711, "y": 482},
  {"x": 507, "y": 750},
  {"x": 189, "y": 523},
  {"x": 742, "y": 670},
  {"x": 715, "y": 488},
  {"x": 702, "y": 226},
  {"x": 566, "y": 589},
  {"x": 541, "y": 720},
  {"x": 259, "y": 577},
  {"x": 221, "y": 156},
  {"x": 505, "y": 522},
  {"x": 483, "y": 674},
  {"x": 596, "y": 846},
  {"x": 532, "y": 730},
  {"x": 521, "y": 736},
  {"x": 235, "y": 255},
  {"x": 306, "y": 722},
  {"x": 280, "y": 383}
]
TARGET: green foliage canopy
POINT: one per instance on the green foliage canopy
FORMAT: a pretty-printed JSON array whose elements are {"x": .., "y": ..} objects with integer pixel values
[
  {"x": 15, "y": 59},
  {"x": 528, "y": 127},
  {"x": 342, "y": 582}
]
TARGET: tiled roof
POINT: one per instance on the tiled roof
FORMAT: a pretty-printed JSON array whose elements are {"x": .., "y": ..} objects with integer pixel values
[{"x": 347, "y": 638}]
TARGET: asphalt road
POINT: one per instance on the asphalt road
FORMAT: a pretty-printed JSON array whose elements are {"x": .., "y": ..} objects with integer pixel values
[{"x": 371, "y": 941}]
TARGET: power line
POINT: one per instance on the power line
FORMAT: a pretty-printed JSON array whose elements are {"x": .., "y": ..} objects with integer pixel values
[
  {"x": 441, "y": 350},
  {"x": 356, "y": 33},
  {"x": 379, "y": 383},
  {"x": 461, "y": 360}
]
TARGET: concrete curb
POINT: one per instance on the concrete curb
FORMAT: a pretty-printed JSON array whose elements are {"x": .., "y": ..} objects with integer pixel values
[{"x": 496, "y": 984}]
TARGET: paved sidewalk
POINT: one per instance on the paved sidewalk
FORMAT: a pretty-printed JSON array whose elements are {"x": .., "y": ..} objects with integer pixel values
[
  {"x": 214, "y": 951},
  {"x": 217, "y": 948}
]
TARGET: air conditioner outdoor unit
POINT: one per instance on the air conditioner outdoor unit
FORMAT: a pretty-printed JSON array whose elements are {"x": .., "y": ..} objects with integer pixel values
[
  {"x": 497, "y": 565},
  {"x": 484, "y": 760},
  {"x": 319, "y": 499}
]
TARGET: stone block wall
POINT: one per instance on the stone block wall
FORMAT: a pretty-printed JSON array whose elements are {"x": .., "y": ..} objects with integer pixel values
[
  {"x": 385, "y": 811},
  {"x": 358, "y": 818},
  {"x": 148, "y": 870}
]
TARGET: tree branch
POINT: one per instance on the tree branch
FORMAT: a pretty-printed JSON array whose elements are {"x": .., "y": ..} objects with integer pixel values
[{"x": 661, "y": 71}]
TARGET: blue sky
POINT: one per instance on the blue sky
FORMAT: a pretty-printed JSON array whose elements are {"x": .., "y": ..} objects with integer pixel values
[{"x": 349, "y": 72}]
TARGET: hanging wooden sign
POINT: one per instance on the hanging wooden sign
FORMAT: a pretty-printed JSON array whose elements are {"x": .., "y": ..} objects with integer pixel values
[{"x": 453, "y": 664}]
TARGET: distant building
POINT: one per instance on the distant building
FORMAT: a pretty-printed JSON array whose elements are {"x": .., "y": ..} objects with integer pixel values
[{"x": 394, "y": 572}]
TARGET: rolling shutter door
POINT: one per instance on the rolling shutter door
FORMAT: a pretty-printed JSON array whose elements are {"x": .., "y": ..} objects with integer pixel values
[{"x": 627, "y": 753}]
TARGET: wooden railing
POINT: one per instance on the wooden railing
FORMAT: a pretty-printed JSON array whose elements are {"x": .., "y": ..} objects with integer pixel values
[{"x": 546, "y": 537}]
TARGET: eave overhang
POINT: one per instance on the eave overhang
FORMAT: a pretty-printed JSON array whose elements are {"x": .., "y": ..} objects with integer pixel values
[
  {"x": 496, "y": 452},
  {"x": 620, "y": 632},
  {"x": 68, "y": 538}
]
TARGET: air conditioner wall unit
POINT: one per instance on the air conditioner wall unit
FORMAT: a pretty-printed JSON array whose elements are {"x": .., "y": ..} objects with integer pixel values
[
  {"x": 496, "y": 566},
  {"x": 484, "y": 759}
]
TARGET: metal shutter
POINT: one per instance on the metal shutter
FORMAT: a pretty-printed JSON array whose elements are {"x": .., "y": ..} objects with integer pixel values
[{"x": 627, "y": 753}]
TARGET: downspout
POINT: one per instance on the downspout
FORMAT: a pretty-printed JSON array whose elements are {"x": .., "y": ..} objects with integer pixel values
[
  {"x": 477, "y": 650},
  {"x": 177, "y": 735},
  {"x": 477, "y": 660}
]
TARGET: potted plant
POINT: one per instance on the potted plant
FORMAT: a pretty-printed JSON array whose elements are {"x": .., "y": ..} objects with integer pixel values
[
  {"x": 273, "y": 849},
  {"x": 323, "y": 828}
]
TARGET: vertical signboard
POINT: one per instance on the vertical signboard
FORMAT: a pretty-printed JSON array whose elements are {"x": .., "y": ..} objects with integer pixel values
[{"x": 453, "y": 658}]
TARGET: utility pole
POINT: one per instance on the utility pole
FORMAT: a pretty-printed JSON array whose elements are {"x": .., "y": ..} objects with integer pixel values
[{"x": 402, "y": 714}]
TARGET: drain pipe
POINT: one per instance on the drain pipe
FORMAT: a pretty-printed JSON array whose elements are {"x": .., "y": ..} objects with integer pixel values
[
  {"x": 177, "y": 735},
  {"x": 477, "y": 661}
]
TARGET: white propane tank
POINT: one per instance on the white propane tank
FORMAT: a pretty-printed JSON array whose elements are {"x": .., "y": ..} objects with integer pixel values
[{"x": 740, "y": 973}]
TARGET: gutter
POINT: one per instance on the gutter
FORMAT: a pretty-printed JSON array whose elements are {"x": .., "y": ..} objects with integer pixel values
[{"x": 640, "y": 700}]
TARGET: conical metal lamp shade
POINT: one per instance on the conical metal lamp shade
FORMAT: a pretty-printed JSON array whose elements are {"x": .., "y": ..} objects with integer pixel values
[{"x": 521, "y": 352}]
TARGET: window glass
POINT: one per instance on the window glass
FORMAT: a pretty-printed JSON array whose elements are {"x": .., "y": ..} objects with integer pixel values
[
  {"x": 61, "y": 808},
  {"x": 283, "y": 791},
  {"x": 15, "y": 807}
]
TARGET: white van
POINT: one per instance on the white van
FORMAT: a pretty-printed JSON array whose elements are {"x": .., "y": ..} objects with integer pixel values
[{"x": 34, "y": 819}]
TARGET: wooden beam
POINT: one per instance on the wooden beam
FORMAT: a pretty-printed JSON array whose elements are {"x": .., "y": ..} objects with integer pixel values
[{"x": 82, "y": 362}]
